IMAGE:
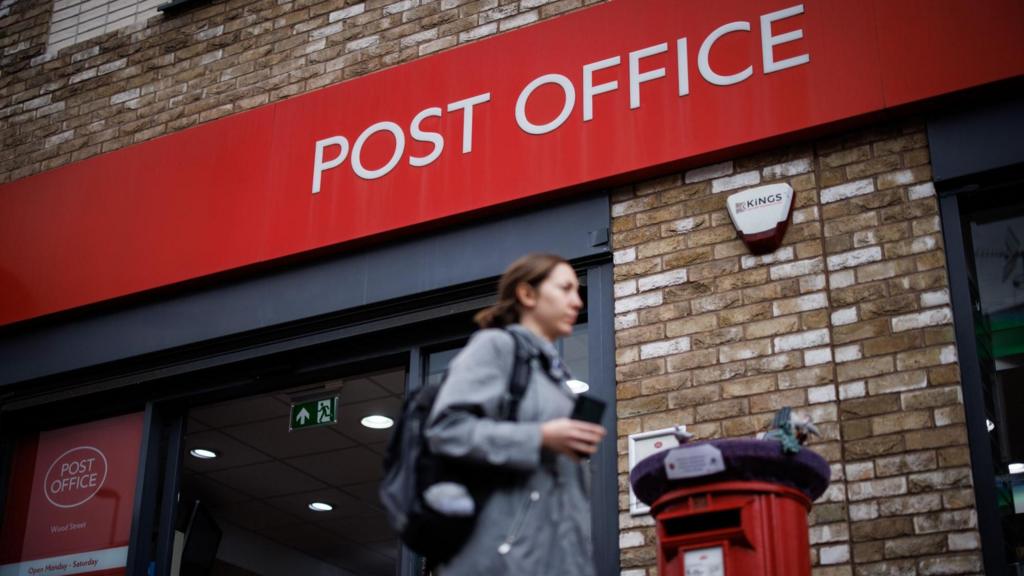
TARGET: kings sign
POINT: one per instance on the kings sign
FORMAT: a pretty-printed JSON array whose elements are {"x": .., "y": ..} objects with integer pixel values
[{"x": 761, "y": 215}]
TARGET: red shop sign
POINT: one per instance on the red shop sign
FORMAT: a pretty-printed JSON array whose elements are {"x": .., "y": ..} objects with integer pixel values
[
  {"x": 69, "y": 508},
  {"x": 619, "y": 91}
]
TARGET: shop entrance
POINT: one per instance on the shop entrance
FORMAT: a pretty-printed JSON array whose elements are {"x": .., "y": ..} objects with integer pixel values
[
  {"x": 261, "y": 495},
  {"x": 239, "y": 342}
]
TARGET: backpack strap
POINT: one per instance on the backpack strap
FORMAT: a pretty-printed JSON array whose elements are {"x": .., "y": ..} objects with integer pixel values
[{"x": 520, "y": 376}]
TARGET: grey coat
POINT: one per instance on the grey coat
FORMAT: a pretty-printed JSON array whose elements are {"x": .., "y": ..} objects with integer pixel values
[{"x": 540, "y": 526}]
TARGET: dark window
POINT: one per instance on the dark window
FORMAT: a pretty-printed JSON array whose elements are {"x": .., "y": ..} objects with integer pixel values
[{"x": 992, "y": 224}]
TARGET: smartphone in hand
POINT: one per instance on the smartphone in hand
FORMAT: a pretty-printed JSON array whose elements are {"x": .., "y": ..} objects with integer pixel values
[{"x": 588, "y": 409}]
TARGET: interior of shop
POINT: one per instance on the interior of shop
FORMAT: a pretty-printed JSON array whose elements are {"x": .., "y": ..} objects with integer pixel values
[{"x": 283, "y": 501}]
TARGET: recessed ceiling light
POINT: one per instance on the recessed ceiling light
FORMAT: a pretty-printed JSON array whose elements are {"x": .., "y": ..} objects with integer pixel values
[
  {"x": 320, "y": 507},
  {"x": 990, "y": 425},
  {"x": 377, "y": 422},
  {"x": 577, "y": 386},
  {"x": 203, "y": 453},
  {"x": 1016, "y": 468}
]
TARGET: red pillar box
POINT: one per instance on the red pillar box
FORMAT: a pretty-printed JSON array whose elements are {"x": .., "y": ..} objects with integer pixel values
[{"x": 731, "y": 507}]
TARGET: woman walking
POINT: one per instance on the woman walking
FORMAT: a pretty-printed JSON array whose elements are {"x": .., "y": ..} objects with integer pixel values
[{"x": 537, "y": 524}]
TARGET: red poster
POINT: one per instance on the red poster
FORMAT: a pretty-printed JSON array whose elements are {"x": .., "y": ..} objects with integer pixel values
[{"x": 69, "y": 506}]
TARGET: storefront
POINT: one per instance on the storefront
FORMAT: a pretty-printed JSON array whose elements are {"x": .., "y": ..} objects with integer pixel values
[{"x": 234, "y": 235}]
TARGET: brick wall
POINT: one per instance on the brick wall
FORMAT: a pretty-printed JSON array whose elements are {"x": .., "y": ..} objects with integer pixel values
[
  {"x": 849, "y": 321},
  {"x": 75, "y": 21},
  {"x": 170, "y": 73}
]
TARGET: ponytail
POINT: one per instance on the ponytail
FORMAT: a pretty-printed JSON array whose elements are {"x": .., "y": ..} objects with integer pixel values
[{"x": 532, "y": 269}]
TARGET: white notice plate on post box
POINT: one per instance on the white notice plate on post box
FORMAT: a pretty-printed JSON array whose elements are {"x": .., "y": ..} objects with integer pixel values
[
  {"x": 704, "y": 562},
  {"x": 693, "y": 462},
  {"x": 642, "y": 445}
]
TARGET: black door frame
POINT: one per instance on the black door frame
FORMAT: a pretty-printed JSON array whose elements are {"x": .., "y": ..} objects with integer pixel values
[{"x": 982, "y": 469}]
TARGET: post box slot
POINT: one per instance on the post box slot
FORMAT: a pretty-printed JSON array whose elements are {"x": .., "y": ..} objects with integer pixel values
[{"x": 706, "y": 522}]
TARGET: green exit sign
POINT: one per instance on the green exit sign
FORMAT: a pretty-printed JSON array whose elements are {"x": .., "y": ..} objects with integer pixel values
[{"x": 314, "y": 413}]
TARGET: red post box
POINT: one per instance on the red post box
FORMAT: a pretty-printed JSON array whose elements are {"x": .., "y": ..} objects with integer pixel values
[{"x": 731, "y": 507}]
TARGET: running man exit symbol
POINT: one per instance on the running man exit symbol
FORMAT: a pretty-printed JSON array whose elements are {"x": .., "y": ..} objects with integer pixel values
[
  {"x": 314, "y": 413},
  {"x": 324, "y": 411}
]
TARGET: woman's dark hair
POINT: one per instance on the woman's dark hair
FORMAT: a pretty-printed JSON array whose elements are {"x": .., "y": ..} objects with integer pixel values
[{"x": 532, "y": 269}]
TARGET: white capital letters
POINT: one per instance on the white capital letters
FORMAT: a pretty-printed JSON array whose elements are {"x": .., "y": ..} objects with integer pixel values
[
  {"x": 635, "y": 77},
  {"x": 421, "y": 136},
  {"x": 769, "y": 42},
  {"x": 357, "y": 163},
  {"x": 467, "y": 119},
  {"x": 524, "y": 96},
  {"x": 318, "y": 160},
  {"x": 684, "y": 67},
  {"x": 705, "y": 51},
  {"x": 589, "y": 90}
]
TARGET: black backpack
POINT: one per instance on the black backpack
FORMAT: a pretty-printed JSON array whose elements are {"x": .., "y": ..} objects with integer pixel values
[{"x": 410, "y": 468}]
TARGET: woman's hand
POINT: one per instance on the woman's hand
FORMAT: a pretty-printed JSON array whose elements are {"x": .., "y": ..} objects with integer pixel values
[{"x": 573, "y": 438}]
